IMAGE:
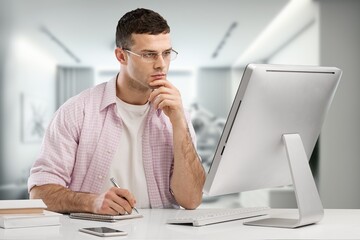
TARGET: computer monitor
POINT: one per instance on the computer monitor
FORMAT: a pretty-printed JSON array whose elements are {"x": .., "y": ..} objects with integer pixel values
[{"x": 270, "y": 133}]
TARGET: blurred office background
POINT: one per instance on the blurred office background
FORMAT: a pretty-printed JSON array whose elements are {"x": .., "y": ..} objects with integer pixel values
[{"x": 51, "y": 50}]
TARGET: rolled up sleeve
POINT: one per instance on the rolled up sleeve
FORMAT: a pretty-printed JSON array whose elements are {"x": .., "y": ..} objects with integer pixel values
[{"x": 58, "y": 151}]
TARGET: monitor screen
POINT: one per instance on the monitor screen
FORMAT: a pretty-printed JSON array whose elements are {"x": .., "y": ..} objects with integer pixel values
[{"x": 272, "y": 101}]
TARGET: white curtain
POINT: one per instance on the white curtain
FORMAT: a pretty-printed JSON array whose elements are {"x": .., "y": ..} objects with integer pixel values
[{"x": 71, "y": 81}]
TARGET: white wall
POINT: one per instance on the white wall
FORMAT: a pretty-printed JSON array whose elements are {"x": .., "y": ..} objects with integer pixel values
[
  {"x": 340, "y": 141},
  {"x": 29, "y": 72},
  {"x": 303, "y": 50},
  {"x": 214, "y": 90}
]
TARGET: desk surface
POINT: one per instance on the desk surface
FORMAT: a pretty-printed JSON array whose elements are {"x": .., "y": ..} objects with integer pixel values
[{"x": 336, "y": 224}]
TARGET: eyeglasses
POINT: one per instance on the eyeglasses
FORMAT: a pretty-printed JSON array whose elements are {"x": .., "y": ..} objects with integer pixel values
[{"x": 153, "y": 56}]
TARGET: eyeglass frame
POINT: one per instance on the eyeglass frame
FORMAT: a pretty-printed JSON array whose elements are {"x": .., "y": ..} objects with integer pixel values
[{"x": 154, "y": 57}]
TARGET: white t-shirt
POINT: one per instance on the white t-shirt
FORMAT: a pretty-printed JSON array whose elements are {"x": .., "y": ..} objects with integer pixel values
[{"x": 127, "y": 166}]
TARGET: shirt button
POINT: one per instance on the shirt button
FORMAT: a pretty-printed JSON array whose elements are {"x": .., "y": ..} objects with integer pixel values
[{"x": 100, "y": 177}]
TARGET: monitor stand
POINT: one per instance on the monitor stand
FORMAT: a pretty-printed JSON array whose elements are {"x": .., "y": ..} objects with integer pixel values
[{"x": 307, "y": 196}]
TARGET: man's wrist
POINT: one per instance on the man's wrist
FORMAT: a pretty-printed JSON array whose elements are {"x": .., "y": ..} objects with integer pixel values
[
  {"x": 179, "y": 120},
  {"x": 89, "y": 202}
]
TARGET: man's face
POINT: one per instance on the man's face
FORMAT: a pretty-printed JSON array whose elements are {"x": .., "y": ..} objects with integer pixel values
[{"x": 140, "y": 72}]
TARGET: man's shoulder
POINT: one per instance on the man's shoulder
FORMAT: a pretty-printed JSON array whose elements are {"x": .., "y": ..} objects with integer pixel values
[
  {"x": 93, "y": 95},
  {"x": 95, "y": 92}
]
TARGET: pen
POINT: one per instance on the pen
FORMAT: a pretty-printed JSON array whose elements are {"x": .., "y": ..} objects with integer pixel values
[{"x": 116, "y": 185}]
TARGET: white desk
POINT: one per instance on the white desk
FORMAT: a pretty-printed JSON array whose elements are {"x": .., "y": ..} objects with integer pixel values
[{"x": 337, "y": 224}]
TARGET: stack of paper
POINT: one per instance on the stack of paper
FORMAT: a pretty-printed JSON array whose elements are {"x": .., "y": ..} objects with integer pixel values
[{"x": 26, "y": 213}]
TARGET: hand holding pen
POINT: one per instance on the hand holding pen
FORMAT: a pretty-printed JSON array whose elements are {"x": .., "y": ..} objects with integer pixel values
[{"x": 116, "y": 185}]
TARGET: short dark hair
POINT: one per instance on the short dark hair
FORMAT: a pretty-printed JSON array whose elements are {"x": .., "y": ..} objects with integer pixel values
[{"x": 139, "y": 21}]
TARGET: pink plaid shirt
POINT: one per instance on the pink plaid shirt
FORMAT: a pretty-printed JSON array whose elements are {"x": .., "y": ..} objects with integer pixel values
[{"x": 81, "y": 140}]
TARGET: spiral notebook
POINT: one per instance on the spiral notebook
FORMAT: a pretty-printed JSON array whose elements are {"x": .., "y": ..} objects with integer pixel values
[{"x": 104, "y": 218}]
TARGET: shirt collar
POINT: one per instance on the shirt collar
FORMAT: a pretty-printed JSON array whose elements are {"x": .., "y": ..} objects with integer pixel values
[{"x": 109, "y": 96}]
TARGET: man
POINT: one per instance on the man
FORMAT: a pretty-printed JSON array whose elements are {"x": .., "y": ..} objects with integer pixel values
[{"x": 132, "y": 128}]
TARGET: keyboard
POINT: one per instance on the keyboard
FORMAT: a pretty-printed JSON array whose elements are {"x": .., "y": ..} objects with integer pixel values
[{"x": 201, "y": 217}]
